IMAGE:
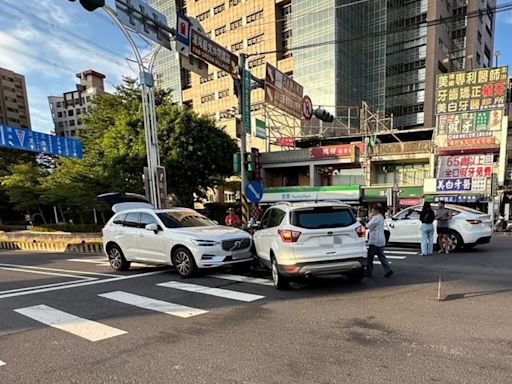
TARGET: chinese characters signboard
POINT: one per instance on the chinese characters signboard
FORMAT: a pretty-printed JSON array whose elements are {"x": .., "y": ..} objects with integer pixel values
[
  {"x": 453, "y": 185},
  {"x": 345, "y": 151},
  {"x": 208, "y": 50},
  {"x": 458, "y": 199},
  {"x": 283, "y": 92},
  {"x": 477, "y": 90},
  {"x": 27, "y": 140},
  {"x": 454, "y": 124},
  {"x": 463, "y": 166},
  {"x": 484, "y": 142}
]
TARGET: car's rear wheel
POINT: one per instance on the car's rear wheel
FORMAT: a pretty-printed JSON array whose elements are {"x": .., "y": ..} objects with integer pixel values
[
  {"x": 184, "y": 262},
  {"x": 356, "y": 275},
  {"x": 456, "y": 241},
  {"x": 280, "y": 281},
  {"x": 116, "y": 258}
]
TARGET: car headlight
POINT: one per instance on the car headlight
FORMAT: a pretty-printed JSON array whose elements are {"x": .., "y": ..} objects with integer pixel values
[{"x": 205, "y": 243}]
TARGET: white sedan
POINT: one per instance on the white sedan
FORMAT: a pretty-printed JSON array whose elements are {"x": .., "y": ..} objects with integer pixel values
[
  {"x": 468, "y": 227},
  {"x": 180, "y": 237}
]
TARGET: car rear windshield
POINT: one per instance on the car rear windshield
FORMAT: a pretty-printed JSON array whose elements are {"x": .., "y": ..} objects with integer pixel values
[
  {"x": 184, "y": 219},
  {"x": 322, "y": 217}
]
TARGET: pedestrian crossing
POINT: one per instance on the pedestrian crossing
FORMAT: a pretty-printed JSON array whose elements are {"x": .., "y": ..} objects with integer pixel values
[
  {"x": 1, "y": 363},
  {"x": 96, "y": 331}
]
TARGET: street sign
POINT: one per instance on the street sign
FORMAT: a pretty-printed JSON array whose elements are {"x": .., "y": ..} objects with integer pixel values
[
  {"x": 27, "y": 140},
  {"x": 183, "y": 27},
  {"x": 283, "y": 92},
  {"x": 143, "y": 24},
  {"x": 307, "y": 108},
  {"x": 261, "y": 129},
  {"x": 208, "y": 50},
  {"x": 246, "y": 99},
  {"x": 254, "y": 192}
]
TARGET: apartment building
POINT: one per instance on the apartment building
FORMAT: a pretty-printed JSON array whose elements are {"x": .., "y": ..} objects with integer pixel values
[
  {"x": 67, "y": 109},
  {"x": 14, "y": 110}
]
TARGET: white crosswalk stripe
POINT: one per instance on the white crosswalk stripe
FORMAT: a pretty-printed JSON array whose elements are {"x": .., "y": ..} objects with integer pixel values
[
  {"x": 225, "y": 293},
  {"x": 153, "y": 304},
  {"x": 242, "y": 279},
  {"x": 1, "y": 363},
  {"x": 86, "y": 329},
  {"x": 402, "y": 252}
]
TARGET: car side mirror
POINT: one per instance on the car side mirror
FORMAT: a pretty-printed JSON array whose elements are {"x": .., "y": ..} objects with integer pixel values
[{"x": 152, "y": 227}]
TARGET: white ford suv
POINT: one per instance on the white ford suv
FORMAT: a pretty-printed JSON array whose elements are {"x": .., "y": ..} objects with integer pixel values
[
  {"x": 307, "y": 239},
  {"x": 180, "y": 237}
]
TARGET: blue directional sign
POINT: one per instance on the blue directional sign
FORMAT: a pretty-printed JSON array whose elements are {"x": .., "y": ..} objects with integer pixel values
[
  {"x": 27, "y": 140},
  {"x": 254, "y": 192}
]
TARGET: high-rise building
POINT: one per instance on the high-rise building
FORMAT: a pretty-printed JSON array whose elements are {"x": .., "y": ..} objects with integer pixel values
[
  {"x": 67, "y": 109},
  {"x": 378, "y": 51},
  {"x": 382, "y": 52},
  {"x": 14, "y": 110},
  {"x": 258, "y": 28}
]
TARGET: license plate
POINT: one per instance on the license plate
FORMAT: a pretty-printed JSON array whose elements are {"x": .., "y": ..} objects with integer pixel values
[{"x": 238, "y": 255}]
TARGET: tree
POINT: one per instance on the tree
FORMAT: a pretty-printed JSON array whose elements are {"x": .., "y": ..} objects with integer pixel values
[
  {"x": 23, "y": 187},
  {"x": 197, "y": 154}
]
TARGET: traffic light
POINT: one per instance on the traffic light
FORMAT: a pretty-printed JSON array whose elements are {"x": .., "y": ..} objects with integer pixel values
[
  {"x": 256, "y": 158},
  {"x": 249, "y": 165},
  {"x": 322, "y": 114},
  {"x": 237, "y": 167},
  {"x": 91, "y": 5}
]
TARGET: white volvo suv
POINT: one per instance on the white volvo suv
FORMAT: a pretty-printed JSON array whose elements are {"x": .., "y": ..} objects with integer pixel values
[
  {"x": 308, "y": 239},
  {"x": 180, "y": 237}
]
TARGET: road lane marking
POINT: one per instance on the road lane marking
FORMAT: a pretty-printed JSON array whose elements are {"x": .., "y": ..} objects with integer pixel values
[
  {"x": 402, "y": 252},
  {"x": 394, "y": 257},
  {"x": 58, "y": 270},
  {"x": 242, "y": 279},
  {"x": 81, "y": 284},
  {"x": 1, "y": 363},
  {"x": 86, "y": 329},
  {"x": 153, "y": 304},
  {"x": 102, "y": 262},
  {"x": 47, "y": 273},
  {"x": 37, "y": 287},
  {"x": 227, "y": 294}
]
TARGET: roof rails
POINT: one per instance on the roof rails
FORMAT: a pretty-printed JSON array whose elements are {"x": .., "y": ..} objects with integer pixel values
[{"x": 288, "y": 203}]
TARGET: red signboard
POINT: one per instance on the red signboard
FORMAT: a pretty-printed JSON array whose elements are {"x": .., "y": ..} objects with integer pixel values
[
  {"x": 286, "y": 142},
  {"x": 410, "y": 202},
  {"x": 347, "y": 150}
]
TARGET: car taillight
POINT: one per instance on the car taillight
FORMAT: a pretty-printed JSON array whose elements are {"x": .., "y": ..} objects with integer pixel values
[
  {"x": 288, "y": 236},
  {"x": 361, "y": 231},
  {"x": 474, "y": 221}
]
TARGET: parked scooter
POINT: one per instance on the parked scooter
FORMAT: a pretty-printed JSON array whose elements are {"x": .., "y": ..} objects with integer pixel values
[{"x": 503, "y": 225}]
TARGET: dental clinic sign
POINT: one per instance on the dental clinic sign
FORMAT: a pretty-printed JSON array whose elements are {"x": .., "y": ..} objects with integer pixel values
[{"x": 453, "y": 185}]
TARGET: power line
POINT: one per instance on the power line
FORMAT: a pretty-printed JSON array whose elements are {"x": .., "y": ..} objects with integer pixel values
[{"x": 428, "y": 23}]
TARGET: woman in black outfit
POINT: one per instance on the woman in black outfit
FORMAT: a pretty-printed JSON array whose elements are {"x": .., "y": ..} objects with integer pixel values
[{"x": 427, "y": 217}]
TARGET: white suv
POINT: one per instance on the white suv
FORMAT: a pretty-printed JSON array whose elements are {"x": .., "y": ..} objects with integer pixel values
[
  {"x": 307, "y": 239},
  {"x": 180, "y": 237}
]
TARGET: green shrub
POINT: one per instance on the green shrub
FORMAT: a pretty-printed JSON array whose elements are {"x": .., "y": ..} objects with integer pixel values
[{"x": 87, "y": 228}]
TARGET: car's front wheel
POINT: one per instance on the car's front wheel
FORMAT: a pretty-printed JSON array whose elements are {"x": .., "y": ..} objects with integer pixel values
[
  {"x": 280, "y": 281},
  {"x": 184, "y": 262},
  {"x": 116, "y": 258}
]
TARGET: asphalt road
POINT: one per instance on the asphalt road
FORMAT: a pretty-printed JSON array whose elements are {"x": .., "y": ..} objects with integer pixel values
[{"x": 71, "y": 319}]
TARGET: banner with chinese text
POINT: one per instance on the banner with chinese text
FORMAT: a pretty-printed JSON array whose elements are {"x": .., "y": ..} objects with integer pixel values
[
  {"x": 477, "y": 90},
  {"x": 463, "y": 123}
]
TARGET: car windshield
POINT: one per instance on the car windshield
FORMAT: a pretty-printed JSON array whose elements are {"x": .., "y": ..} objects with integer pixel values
[
  {"x": 177, "y": 219},
  {"x": 322, "y": 217}
]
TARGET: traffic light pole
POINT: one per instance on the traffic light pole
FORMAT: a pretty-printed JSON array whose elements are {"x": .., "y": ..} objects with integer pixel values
[
  {"x": 243, "y": 143},
  {"x": 149, "y": 112}
]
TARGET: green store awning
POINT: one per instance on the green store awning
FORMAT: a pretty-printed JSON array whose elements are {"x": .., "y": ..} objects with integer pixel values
[{"x": 379, "y": 193}]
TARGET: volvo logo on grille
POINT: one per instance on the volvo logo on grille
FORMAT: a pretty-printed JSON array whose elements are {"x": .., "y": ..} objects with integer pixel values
[{"x": 236, "y": 245}]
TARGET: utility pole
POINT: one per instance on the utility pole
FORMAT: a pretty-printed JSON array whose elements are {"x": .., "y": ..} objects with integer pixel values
[{"x": 243, "y": 141}]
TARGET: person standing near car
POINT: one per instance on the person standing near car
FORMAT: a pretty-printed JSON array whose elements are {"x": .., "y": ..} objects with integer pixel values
[
  {"x": 443, "y": 217},
  {"x": 232, "y": 219},
  {"x": 427, "y": 217},
  {"x": 377, "y": 241}
]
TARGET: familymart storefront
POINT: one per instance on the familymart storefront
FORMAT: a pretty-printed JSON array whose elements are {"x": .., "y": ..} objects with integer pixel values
[{"x": 350, "y": 194}]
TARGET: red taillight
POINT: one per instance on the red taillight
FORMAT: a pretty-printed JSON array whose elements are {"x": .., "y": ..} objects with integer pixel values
[
  {"x": 361, "y": 231},
  {"x": 288, "y": 236}
]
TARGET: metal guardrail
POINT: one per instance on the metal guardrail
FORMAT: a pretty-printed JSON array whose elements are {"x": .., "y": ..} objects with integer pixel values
[{"x": 53, "y": 247}]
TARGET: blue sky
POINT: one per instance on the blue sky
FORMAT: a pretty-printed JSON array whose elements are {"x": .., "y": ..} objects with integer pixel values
[{"x": 49, "y": 41}]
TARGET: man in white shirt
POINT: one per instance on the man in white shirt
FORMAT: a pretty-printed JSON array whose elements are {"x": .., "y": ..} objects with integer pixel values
[{"x": 377, "y": 241}]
